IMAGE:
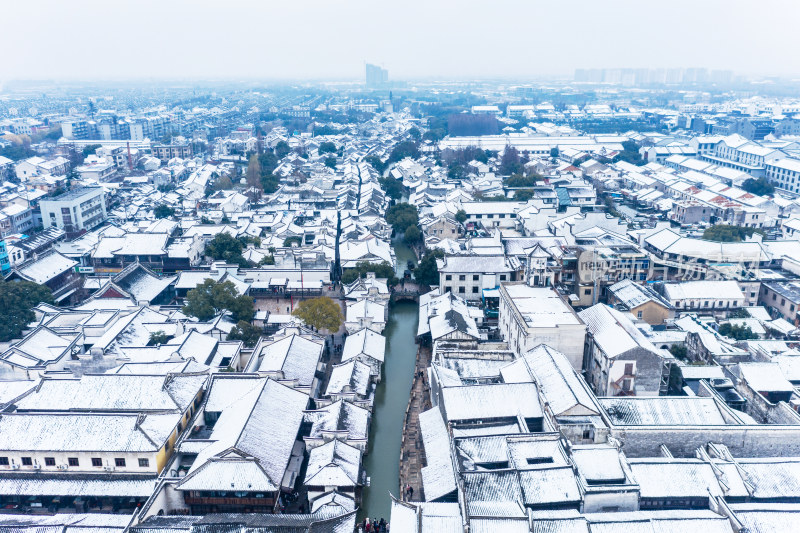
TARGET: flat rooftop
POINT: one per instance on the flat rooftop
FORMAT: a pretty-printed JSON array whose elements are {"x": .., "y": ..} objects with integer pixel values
[{"x": 541, "y": 307}]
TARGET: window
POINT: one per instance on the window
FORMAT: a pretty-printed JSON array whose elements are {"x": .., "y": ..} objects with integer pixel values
[
  {"x": 475, "y": 277},
  {"x": 27, "y": 461},
  {"x": 502, "y": 277},
  {"x": 448, "y": 277},
  {"x": 474, "y": 290},
  {"x": 3, "y": 461},
  {"x": 462, "y": 277},
  {"x": 73, "y": 461},
  {"x": 638, "y": 314},
  {"x": 626, "y": 385},
  {"x": 144, "y": 463},
  {"x": 489, "y": 216},
  {"x": 461, "y": 290},
  {"x": 119, "y": 461},
  {"x": 50, "y": 461},
  {"x": 587, "y": 292},
  {"x": 628, "y": 369},
  {"x": 96, "y": 461}
]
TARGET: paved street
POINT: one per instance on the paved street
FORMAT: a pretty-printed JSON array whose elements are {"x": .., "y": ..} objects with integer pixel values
[{"x": 412, "y": 454}]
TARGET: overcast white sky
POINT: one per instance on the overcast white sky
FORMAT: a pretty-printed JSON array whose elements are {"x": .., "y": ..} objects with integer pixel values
[{"x": 294, "y": 39}]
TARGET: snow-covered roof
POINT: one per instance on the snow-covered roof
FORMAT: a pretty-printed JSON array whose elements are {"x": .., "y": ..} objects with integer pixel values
[
  {"x": 334, "y": 464},
  {"x": 614, "y": 332},
  {"x": 295, "y": 356},
  {"x": 259, "y": 418},
  {"x": 86, "y": 432},
  {"x": 663, "y": 411},
  {"x": 500, "y": 400},
  {"x": 349, "y": 376},
  {"x": 702, "y": 290},
  {"x": 45, "y": 267},
  {"x": 366, "y": 342},
  {"x": 438, "y": 477},
  {"x": 340, "y": 416},
  {"x": 115, "y": 393},
  {"x": 559, "y": 384}
]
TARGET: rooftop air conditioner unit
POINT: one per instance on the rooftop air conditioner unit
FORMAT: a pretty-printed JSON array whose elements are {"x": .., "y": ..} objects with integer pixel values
[
  {"x": 108, "y": 468},
  {"x": 15, "y": 467},
  {"x": 37, "y": 466},
  {"x": 63, "y": 467}
]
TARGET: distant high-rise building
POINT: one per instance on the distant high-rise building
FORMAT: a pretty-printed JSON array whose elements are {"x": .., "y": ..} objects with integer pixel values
[{"x": 376, "y": 76}]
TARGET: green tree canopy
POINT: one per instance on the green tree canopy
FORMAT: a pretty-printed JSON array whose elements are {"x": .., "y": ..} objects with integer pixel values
[
  {"x": 327, "y": 147},
  {"x": 457, "y": 171},
  {"x": 17, "y": 298},
  {"x": 320, "y": 313},
  {"x": 330, "y": 162},
  {"x": 760, "y": 186},
  {"x": 376, "y": 162},
  {"x": 282, "y": 149},
  {"x": 270, "y": 183},
  {"x": 163, "y": 211},
  {"x": 401, "y": 216},
  {"x": 427, "y": 272},
  {"x": 393, "y": 188},
  {"x": 158, "y": 337},
  {"x": 224, "y": 247},
  {"x": 382, "y": 270},
  {"x": 522, "y": 180},
  {"x": 678, "y": 350},
  {"x": 523, "y": 195},
  {"x": 245, "y": 332},
  {"x": 461, "y": 216},
  {"x": 211, "y": 298},
  {"x": 740, "y": 333},
  {"x": 412, "y": 235},
  {"x": 630, "y": 154},
  {"x": 725, "y": 233},
  {"x": 90, "y": 149},
  {"x": 402, "y": 150}
]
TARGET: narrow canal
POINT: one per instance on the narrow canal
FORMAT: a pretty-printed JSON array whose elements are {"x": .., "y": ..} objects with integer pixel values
[
  {"x": 402, "y": 254},
  {"x": 391, "y": 400}
]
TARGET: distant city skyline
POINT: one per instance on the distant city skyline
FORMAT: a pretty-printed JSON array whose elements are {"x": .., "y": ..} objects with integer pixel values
[{"x": 95, "y": 39}]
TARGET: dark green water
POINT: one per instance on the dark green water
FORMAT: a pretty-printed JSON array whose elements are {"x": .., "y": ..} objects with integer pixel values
[
  {"x": 402, "y": 255},
  {"x": 391, "y": 399}
]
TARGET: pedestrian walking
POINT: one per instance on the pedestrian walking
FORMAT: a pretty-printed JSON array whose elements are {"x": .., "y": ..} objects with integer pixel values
[
  {"x": 367, "y": 525},
  {"x": 410, "y": 492}
]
